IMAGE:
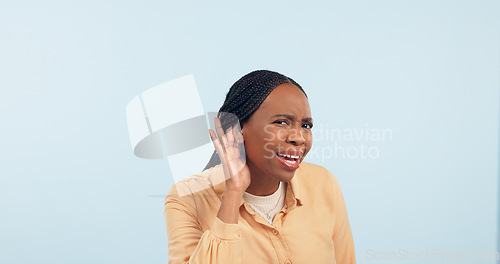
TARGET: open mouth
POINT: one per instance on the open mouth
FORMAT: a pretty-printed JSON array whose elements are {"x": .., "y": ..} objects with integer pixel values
[{"x": 289, "y": 160}]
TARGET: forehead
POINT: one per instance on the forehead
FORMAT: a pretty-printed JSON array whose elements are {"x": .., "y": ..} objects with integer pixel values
[{"x": 286, "y": 98}]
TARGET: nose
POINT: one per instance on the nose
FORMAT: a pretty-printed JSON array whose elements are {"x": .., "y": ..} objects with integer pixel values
[{"x": 296, "y": 137}]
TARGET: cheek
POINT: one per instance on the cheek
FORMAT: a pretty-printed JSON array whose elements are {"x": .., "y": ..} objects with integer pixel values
[
  {"x": 261, "y": 147},
  {"x": 308, "y": 140},
  {"x": 281, "y": 134},
  {"x": 267, "y": 143},
  {"x": 307, "y": 143},
  {"x": 256, "y": 147},
  {"x": 308, "y": 137}
]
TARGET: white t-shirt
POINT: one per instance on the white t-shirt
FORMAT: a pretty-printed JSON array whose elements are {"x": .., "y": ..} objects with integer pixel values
[{"x": 267, "y": 206}]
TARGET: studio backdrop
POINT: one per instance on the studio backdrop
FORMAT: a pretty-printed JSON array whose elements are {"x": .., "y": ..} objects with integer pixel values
[{"x": 404, "y": 96}]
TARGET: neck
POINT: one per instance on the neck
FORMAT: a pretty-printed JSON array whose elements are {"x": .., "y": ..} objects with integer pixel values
[{"x": 261, "y": 184}]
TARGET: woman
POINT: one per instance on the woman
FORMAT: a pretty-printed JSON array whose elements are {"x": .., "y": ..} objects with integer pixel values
[{"x": 257, "y": 202}]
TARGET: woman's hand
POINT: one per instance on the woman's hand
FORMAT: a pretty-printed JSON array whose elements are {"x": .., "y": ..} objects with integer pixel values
[{"x": 228, "y": 146}]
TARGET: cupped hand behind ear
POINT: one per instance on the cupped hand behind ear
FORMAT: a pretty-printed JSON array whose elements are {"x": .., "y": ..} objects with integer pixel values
[{"x": 229, "y": 147}]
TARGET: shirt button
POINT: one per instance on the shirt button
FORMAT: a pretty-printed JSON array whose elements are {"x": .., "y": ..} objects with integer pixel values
[{"x": 276, "y": 233}]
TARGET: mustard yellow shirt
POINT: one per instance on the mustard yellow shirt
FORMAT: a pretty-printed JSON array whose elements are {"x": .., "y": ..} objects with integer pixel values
[{"x": 312, "y": 227}]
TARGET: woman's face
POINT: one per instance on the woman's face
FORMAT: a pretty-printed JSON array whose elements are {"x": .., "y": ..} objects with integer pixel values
[{"x": 278, "y": 134}]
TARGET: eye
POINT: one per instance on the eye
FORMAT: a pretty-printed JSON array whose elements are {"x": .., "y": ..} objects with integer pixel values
[
  {"x": 280, "y": 122},
  {"x": 307, "y": 125}
]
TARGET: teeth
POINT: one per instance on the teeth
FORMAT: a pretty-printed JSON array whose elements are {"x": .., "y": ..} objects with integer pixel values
[{"x": 288, "y": 156}]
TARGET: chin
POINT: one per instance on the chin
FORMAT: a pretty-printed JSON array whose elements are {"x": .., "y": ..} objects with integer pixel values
[{"x": 285, "y": 176}]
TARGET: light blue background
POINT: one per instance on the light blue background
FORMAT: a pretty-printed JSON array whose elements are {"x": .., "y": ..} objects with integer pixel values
[{"x": 71, "y": 190}]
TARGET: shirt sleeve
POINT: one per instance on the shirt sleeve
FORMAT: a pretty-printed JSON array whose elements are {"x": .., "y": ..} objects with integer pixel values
[
  {"x": 342, "y": 235},
  {"x": 188, "y": 243}
]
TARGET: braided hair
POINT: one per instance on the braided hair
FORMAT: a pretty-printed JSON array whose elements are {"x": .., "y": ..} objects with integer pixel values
[{"x": 245, "y": 97}]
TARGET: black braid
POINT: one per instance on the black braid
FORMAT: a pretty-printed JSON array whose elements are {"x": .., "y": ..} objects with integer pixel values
[{"x": 245, "y": 97}]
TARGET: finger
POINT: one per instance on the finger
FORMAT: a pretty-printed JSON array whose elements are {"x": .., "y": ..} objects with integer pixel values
[
  {"x": 236, "y": 152},
  {"x": 230, "y": 136},
  {"x": 237, "y": 134},
  {"x": 220, "y": 152},
  {"x": 213, "y": 136},
  {"x": 233, "y": 132},
  {"x": 232, "y": 152},
  {"x": 220, "y": 132},
  {"x": 240, "y": 143},
  {"x": 217, "y": 144}
]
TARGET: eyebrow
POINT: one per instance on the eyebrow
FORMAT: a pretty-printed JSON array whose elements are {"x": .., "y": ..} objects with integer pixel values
[{"x": 291, "y": 117}]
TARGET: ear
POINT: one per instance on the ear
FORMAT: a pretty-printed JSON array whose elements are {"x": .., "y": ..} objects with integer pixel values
[
  {"x": 242, "y": 134},
  {"x": 241, "y": 128}
]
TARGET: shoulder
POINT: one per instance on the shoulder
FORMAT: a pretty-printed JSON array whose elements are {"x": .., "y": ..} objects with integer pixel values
[
  {"x": 318, "y": 172},
  {"x": 316, "y": 176},
  {"x": 186, "y": 190}
]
